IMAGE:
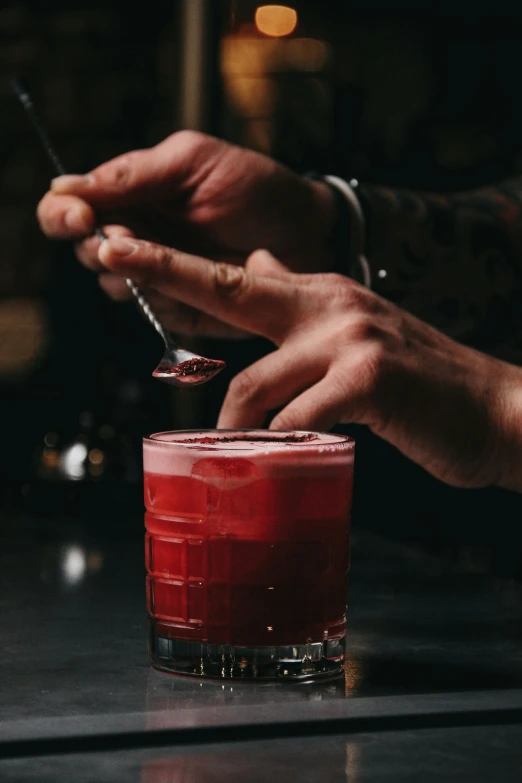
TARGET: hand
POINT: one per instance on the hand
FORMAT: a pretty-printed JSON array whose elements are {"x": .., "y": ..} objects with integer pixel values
[
  {"x": 346, "y": 355},
  {"x": 198, "y": 193}
]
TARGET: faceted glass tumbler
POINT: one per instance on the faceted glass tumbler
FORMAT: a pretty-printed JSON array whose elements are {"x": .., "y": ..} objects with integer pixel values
[{"x": 247, "y": 552}]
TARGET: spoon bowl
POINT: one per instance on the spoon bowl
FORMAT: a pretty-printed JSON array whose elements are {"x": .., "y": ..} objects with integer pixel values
[{"x": 180, "y": 367}]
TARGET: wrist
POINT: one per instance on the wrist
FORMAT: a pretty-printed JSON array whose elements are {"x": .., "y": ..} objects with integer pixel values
[
  {"x": 347, "y": 237},
  {"x": 325, "y": 210}
]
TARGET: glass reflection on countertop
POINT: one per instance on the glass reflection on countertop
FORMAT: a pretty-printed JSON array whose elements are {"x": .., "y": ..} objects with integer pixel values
[
  {"x": 286, "y": 761},
  {"x": 164, "y": 692}
]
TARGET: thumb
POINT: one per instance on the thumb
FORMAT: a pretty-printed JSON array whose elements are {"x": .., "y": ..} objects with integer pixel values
[{"x": 120, "y": 182}]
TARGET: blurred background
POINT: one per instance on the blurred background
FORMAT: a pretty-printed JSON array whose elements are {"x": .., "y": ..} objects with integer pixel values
[{"x": 423, "y": 97}]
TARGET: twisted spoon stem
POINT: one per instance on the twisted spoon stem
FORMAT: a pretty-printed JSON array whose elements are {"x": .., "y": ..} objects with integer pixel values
[{"x": 146, "y": 309}]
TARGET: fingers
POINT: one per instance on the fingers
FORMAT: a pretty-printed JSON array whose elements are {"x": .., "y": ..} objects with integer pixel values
[
  {"x": 65, "y": 217},
  {"x": 125, "y": 180},
  {"x": 268, "y": 384},
  {"x": 87, "y": 250},
  {"x": 345, "y": 394},
  {"x": 260, "y": 304},
  {"x": 298, "y": 377},
  {"x": 116, "y": 183},
  {"x": 141, "y": 178},
  {"x": 115, "y": 287},
  {"x": 318, "y": 408}
]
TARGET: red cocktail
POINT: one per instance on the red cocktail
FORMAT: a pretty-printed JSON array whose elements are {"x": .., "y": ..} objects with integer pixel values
[{"x": 247, "y": 551}]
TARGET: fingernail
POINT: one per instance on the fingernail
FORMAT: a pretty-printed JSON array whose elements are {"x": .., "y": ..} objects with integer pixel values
[
  {"x": 69, "y": 182},
  {"x": 120, "y": 246},
  {"x": 75, "y": 220}
]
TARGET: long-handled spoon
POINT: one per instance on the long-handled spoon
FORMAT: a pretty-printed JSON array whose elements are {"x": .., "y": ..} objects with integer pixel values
[{"x": 178, "y": 366}]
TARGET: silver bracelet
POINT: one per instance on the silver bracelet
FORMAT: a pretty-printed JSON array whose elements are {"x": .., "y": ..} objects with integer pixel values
[{"x": 357, "y": 226}]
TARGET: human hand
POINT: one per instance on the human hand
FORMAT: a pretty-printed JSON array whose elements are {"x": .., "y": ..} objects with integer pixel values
[
  {"x": 346, "y": 355},
  {"x": 198, "y": 193}
]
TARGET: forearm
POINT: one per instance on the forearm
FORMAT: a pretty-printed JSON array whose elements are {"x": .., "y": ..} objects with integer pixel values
[
  {"x": 510, "y": 429},
  {"x": 454, "y": 260}
]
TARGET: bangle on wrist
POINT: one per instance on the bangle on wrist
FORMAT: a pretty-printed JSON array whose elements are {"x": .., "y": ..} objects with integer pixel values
[{"x": 348, "y": 236}]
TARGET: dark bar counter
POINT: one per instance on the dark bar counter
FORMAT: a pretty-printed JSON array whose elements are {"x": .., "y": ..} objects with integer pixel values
[{"x": 432, "y": 686}]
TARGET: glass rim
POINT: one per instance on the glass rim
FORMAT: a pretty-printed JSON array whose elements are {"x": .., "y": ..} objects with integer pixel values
[{"x": 336, "y": 439}]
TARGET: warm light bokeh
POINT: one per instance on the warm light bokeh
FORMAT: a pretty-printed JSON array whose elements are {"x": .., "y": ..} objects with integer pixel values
[
  {"x": 276, "y": 20},
  {"x": 23, "y": 335}
]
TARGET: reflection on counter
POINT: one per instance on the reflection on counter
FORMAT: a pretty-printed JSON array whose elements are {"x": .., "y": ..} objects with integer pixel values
[
  {"x": 259, "y": 762},
  {"x": 70, "y": 564},
  {"x": 164, "y": 692}
]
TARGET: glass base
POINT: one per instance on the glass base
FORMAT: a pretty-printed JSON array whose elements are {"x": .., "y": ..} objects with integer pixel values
[{"x": 298, "y": 663}]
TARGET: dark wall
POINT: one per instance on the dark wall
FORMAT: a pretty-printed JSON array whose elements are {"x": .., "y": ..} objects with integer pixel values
[{"x": 103, "y": 77}]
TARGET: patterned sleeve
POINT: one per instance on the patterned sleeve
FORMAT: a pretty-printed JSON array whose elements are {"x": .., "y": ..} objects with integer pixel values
[{"x": 453, "y": 260}]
